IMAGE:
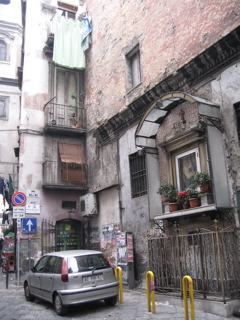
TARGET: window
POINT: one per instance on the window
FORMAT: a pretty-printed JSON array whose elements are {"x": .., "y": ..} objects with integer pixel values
[
  {"x": 134, "y": 70},
  {"x": 3, "y": 108},
  {"x": 138, "y": 174},
  {"x": 187, "y": 164},
  {"x": 73, "y": 163},
  {"x": 67, "y": 10},
  {"x": 69, "y": 205},
  {"x": 3, "y": 50}
]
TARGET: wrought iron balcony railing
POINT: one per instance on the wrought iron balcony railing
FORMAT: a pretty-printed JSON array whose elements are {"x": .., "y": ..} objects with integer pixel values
[
  {"x": 59, "y": 175},
  {"x": 64, "y": 116}
]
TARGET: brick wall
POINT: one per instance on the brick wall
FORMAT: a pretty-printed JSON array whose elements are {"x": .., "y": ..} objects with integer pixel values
[{"x": 170, "y": 33}]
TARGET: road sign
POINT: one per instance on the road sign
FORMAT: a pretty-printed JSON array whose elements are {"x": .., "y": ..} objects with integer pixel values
[
  {"x": 32, "y": 208},
  {"x": 33, "y": 197},
  {"x": 18, "y": 212},
  {"x": 19, "y": 199},
  {"x": 29, "y": 225}
]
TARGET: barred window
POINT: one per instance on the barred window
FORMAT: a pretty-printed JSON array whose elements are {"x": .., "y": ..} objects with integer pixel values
[{"x": 138, "y": 174}]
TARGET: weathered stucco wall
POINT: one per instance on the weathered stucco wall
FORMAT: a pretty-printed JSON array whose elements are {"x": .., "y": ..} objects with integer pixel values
[
  {"x": 135, "y": 213},
  {"x": 225, "y": 92},
  {"x": 102, "y": 165}
]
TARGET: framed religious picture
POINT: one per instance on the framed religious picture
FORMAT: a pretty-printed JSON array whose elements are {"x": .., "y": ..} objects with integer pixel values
[{"x": 187, "y": 164}]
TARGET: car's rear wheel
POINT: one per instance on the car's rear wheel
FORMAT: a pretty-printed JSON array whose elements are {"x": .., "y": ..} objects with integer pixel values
[
  {"x": 111, "y": 301},
  {"x": 60, "y": 309},
  {"x": 27, "y": 293}
]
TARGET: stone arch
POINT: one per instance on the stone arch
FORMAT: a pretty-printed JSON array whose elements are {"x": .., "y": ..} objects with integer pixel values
[{"x": 148, "y": 126}]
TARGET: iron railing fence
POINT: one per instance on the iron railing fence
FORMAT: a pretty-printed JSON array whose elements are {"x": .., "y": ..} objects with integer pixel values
[
  {"x": 56, "y": 173},
  {"x": 48, "y": 236},
  {"x": 65, "y": 115},
  {"x": 209, "y": 258}
]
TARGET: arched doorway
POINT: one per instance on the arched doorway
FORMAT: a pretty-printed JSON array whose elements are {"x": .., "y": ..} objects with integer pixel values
[{"x": 68, "y": 235}]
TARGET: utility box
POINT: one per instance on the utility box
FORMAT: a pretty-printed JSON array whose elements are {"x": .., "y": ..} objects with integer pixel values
[
  {"x": 125, "y": 257},
  {"x": 88, "y": 205}
]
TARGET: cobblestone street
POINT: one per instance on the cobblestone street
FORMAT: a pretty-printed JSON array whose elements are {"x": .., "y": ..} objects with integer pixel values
[{"x": 13, "y": 306}]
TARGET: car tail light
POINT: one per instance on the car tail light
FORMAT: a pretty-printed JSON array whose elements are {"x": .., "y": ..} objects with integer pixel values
[
  {"x": 64, "y": 276},
  {"x": 110, "y": 265}
]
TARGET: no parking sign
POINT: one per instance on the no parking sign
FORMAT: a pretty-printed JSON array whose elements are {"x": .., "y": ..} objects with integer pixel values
[{"x": 19, "y": 199}]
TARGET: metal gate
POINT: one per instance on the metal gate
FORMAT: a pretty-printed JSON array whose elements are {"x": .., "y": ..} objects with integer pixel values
[
  {"x": 48, "y": 236},
  {"x": 210, "y": 258}
]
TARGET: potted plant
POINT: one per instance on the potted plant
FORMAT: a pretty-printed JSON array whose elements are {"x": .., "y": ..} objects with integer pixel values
[
  {"x": 193, "y": 196},
  {"x": 78, "y": 106},
  {"x": 172, "y": 199},
  {"x": 164, "y": 189},
  {"x": 182, "y": 199},
  {"x": 202, "y": 179}
]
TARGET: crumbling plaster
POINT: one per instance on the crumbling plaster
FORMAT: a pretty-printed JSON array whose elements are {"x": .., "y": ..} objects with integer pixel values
[{"x": 225, "y": 92}]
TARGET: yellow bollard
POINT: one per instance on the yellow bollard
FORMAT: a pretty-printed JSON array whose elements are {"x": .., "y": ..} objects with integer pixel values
[
  {"x": 119, "y": 279},
  {"x": 185, "y": 298},
  {"x": 150, "y": 291}
]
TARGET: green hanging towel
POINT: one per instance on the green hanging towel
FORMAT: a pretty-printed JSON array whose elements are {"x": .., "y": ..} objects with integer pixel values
[{"x": 67, "y": 51}]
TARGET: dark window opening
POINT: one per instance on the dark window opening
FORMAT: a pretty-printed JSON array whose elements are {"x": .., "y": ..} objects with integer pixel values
[
  {"x": 69, "y": 205},
  {"x": 138, "y": 174},
  {"x": 237, "y": 113}
]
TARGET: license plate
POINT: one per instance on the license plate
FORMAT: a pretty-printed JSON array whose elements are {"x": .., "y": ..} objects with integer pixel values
[{"x": 96, "y": 277}]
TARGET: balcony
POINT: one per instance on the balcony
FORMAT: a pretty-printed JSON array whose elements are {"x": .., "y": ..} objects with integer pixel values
[
  {"x": 64, "y": 176},
  {"x": 64, "y": 119}
]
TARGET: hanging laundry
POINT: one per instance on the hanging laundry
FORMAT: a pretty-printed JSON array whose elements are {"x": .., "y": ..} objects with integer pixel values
[
  {"x": 87, "y": 33},
  {"x": 67, "y": 50}
]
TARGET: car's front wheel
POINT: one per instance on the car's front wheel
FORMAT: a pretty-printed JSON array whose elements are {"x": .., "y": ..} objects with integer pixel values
[
  {"x": 60, "y": 309},
  {"x": 27, "y": 293},
  {"x": 111, "y": 301}
]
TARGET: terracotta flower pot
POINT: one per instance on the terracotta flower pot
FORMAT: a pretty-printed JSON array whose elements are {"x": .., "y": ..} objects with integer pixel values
[
  {"x": 164, "y": 198},
  {"x": 204, "y": 188},
  {"x": 173, "y": 206},
  {"x": 193, "y": 202},
  {"x": 185, "y": 205}
]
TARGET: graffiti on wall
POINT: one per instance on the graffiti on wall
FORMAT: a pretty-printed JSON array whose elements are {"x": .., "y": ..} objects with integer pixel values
[{"x": 109, "y": 240}]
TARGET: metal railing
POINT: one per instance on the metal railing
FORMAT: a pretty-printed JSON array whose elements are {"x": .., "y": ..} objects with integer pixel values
[
  {"x": 209, "y": 258},
  {"x": 65, "y": 115},
  {"x": 56, "y": 173}
]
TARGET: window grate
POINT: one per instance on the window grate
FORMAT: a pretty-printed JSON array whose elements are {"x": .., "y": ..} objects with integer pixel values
[{"x": 138, "y": 174}]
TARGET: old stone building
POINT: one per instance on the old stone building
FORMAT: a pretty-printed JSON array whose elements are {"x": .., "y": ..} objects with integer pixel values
[{"x": 145, "y": 93}]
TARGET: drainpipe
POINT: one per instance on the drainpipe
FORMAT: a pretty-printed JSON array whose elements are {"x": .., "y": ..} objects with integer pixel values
[{"x": 119, "y": 187}]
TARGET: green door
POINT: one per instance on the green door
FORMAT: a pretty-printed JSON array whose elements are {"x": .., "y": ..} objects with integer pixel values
[{"x": 68, "y": 235}]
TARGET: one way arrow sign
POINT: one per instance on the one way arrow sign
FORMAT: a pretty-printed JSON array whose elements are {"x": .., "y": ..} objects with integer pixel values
[{"x": 29, "y": 225}]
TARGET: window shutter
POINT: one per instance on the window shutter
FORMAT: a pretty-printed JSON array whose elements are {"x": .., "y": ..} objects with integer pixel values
[{"x": 73, "y": 163}]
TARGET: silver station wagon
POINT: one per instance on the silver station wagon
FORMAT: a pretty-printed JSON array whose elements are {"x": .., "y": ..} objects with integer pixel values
[{"x": 72, "y": 277}]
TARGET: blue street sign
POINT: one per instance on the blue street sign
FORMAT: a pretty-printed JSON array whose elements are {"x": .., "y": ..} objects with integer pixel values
[{"x": 29, "y": 225}]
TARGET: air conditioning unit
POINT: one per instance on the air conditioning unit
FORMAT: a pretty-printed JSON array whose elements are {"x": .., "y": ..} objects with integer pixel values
[
  {"x": 88, "y": 205},
  {"x": 50, "y": 4}
]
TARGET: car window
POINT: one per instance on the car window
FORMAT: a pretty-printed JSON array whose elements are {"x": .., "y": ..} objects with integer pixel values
[
  {"x": 59, "y": 265},
  {"x": 50, "y": 265},
  {"x": 40, "y": 264},
  {"x": 86, "y": 263}
]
